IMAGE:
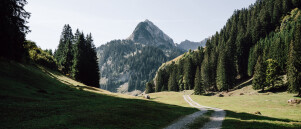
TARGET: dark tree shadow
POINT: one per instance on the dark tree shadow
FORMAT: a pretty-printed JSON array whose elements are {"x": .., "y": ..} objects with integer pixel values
[{"x": 247, "y": 121}]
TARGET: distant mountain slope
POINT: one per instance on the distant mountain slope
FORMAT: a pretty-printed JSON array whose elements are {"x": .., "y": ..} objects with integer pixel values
[
  {"x": 186, "y": 45},
  {"x": 126, "y": 65}
]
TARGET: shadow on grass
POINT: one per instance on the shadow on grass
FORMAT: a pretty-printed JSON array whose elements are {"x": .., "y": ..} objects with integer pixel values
[
  {"x": 154, "y": 98},
  {"x": 249, "y": 82},
  {"x": 86, "y": 87},
  {"x": 31, "y": 99},
  {"x": 276, "y": 89},
  {"x": 210, "y": 94},
  {"x": 251, "y": 121}
]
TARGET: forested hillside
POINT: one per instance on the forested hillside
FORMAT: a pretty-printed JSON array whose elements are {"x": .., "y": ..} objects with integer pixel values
[{"x": 267, "y": 29}]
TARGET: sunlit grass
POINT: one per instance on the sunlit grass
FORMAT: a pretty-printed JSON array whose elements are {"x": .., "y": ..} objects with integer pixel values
[{"x": 276, "y": 112}]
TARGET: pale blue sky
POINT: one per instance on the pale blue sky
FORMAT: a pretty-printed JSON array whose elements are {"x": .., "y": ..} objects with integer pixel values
[{"x": 116, "y": 19}]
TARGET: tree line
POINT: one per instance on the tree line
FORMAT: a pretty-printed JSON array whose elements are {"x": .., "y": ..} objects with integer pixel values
[
  {"x": 76, "y": 56},
  {"x": 232, "y": 53}
]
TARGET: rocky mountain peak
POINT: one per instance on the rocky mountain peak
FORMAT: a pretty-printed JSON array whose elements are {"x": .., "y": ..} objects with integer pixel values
[{"x": 149, "y": 34}]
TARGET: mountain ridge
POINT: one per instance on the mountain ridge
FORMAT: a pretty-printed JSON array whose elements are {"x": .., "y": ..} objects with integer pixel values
[{"x": 187, "y": 44}]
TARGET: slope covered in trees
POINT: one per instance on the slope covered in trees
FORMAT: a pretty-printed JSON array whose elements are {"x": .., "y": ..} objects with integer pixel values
[
  {"x": 265, "y": 29},
  {"x": 180, "y": 74}
]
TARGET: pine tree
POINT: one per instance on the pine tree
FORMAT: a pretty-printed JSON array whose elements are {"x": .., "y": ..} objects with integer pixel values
[
  {"x": 91, "y": 66},
  {"x": 64, "y": 53},
  {"x": 66, "y": 62},
  {"x": 221, "y": 73},
  {"x": 149, "y": 88},
  {"x": 205, "y": 71},
  {"x": 78, "y": 63},
  {"x": 172, "y": 81},
  {"x": 13, "y": 29},
  {"x": 259, "y": 75},
  {"x": 271, "y": 72},
  {"x": 159, "y": 81},
  {"x": 294, "y": 63},
  {"x": 187, "y": 79},
  {"x": 198, "y": 86}
]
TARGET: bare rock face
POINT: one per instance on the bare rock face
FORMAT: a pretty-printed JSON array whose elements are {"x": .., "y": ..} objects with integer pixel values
[{"x": 294, "y": 101}]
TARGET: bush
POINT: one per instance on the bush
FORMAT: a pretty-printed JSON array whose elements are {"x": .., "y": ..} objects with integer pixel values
[{"x": 38, "y": 56}]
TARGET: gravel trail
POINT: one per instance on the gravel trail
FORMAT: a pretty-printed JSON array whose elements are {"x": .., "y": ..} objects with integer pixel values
[{"x": 216, "y": 119}]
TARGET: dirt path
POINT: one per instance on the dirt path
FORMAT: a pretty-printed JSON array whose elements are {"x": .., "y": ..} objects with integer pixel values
[
  {"x": 181, "y": 123},
  {"x": 216, "y": 119}
]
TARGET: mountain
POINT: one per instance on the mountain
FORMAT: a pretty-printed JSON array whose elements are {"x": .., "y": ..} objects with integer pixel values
[
  {"x": 186, "y": 45},
  {"x": 149, "y": 34},
  {"x": 126, "y": 65}
]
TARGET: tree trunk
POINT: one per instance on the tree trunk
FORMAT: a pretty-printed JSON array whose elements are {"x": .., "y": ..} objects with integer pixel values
[{"x": 262, "y": 90}]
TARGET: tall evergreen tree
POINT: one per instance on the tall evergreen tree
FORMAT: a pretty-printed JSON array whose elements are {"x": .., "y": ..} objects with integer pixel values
[
  {"x": 79, "y": 56},
  {"x": 91, "y": 65},
  {"x": 187, "y": 79},
  {"x": 271, "y": 72},
  {"x": 149, "y": 88},
  {"x": 294, "y": 63},
  {"x": 198, "y": 86},
  {"x": 205, "y": 71},
  {"x": 172, "y": 81},
  {"x": 159, "y": 81},
  {"x": 64, "y": 53},
  {"x": 259, "y": 81},
  {"x": 13, "y": 29},
  {"x": 221, "y": 79}
]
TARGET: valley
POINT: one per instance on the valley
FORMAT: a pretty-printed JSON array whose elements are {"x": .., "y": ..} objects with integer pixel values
[{"x": 245, "y": 75}]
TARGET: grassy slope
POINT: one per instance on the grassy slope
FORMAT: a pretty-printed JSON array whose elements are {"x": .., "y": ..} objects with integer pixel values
[
  {"x": 276, "y": 113},
  {"x": 32, "y": 99}
]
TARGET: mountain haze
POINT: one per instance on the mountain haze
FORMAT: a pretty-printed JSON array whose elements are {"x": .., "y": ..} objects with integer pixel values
[{"x": 186, "y": 45}]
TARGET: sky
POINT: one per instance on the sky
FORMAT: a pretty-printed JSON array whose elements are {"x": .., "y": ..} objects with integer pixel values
[{"x": 107, "y": 20}]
